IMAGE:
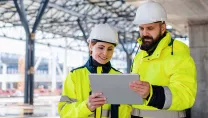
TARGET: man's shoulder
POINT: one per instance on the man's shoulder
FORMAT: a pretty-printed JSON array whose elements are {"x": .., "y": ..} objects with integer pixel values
[
  {"x": 180, "y": 47},
  {"x": 181, "y": 52},
  {"x": 140, "y": 54}
]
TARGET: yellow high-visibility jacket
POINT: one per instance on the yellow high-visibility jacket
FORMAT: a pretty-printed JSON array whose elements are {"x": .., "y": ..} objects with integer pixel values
[
  {"x": 73, "y": 102},
  {"x": 171, "y": 72}
]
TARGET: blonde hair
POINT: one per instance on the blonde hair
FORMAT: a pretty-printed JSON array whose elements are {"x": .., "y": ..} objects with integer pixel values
[{"x": 92, "y": 43}]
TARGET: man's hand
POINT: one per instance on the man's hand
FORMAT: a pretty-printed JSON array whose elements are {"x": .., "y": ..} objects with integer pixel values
[
  {"x": 140, "y": 87},
  {"x": 95, "y": 100}
]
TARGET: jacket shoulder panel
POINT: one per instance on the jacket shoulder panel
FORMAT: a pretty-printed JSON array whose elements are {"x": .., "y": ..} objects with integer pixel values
[
  {"x": 180, "y": 47},
  {"x": 116, "y": 70},
  {"x": 78, "y": 68}
]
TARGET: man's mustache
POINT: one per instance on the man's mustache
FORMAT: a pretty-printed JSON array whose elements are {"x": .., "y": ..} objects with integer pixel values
[{"x": 147, "y": 37}]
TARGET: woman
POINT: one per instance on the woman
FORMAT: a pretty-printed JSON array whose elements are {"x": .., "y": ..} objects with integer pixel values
[{"x": 77, "y": 101}]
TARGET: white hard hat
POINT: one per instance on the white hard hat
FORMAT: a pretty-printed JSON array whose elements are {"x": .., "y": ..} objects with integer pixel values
[
  {"x": 104, "y": 32},
  {"x": 150, "y": 12}
]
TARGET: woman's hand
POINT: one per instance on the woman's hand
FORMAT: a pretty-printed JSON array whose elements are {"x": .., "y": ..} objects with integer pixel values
[{"x": 95, "y": 100}]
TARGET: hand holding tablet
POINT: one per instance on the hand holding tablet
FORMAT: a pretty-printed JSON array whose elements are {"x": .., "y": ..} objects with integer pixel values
[{"x": 115, "y": 87}]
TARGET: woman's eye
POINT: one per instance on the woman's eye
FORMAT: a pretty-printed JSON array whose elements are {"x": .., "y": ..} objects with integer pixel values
[
  {"x": 100, "y": 48},
  {"x": 141, "y": 28}
]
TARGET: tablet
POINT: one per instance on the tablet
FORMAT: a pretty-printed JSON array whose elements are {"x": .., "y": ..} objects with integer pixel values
[{"x": 115, "y": 87}]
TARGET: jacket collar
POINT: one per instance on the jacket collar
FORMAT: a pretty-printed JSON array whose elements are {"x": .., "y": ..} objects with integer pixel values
[
  {"x": 93, "y": 68},
  {"x": 162, "y": 44}
]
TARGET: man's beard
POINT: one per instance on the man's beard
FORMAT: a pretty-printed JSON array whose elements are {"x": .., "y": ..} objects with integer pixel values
[{"x": 147, "y": 45}]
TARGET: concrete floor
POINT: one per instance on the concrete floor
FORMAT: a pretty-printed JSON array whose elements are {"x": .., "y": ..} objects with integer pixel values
[{"x": 44, "y": 107}]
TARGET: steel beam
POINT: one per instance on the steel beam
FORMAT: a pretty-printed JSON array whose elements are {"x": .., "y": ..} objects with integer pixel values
[
  {"x": 30, "y": 47},
  {"x": 24, "y": 22}
]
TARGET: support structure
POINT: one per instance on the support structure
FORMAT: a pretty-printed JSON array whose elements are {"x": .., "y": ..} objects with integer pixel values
[
  {"x": 65, "y": 66},
  {"x": 30, "y": 47},
  {"x": 37, "y": 63},
  {"x": 53, "y": 87},
  {"x": 199, "y": 50},
  {"x": 83, "y": 31},
  {"x": 128, "y": 46},
  {"x": 4, "y": 72}
]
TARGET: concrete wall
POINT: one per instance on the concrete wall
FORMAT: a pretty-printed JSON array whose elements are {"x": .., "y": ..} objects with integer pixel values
[{"x": 198, "y": 35}]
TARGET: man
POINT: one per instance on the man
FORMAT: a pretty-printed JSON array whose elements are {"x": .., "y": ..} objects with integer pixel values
[{"x": 167, "y": 71}]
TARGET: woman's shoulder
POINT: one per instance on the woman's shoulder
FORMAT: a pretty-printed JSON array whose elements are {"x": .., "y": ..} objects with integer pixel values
[
  {"x": 74, "y": 73},
  {"x": 77, "y": 69}
]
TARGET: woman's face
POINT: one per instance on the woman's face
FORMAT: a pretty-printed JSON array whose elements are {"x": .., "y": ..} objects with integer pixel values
[{"x": 102, "y": 52}]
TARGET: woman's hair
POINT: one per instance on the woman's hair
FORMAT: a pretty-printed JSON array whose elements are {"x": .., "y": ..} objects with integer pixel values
[{"x": 94, "y": 41}]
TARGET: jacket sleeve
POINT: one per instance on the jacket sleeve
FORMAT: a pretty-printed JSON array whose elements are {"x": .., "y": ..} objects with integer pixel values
[
  {"x": 180, "y": 94},
  {"x": 183, "y": 85},
  {"x": 69, "y": 106}
]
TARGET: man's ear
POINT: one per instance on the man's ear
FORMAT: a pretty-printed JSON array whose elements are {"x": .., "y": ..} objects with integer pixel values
[{"x": 163, "y": 28}]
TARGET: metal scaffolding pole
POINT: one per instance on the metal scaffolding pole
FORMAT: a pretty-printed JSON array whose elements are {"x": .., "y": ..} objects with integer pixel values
[
  {"x": 128, "y": 50},
  {"x": 53, "y": 87},
  {"x": 83, "y": 32},
  {"x": 65, "y": 64},
  {"x": 37, "y": 63},
  {"x": 4, "y": 72},
  {"x": 30, "y": 46},
  {"x": 23, "y": 19}
]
